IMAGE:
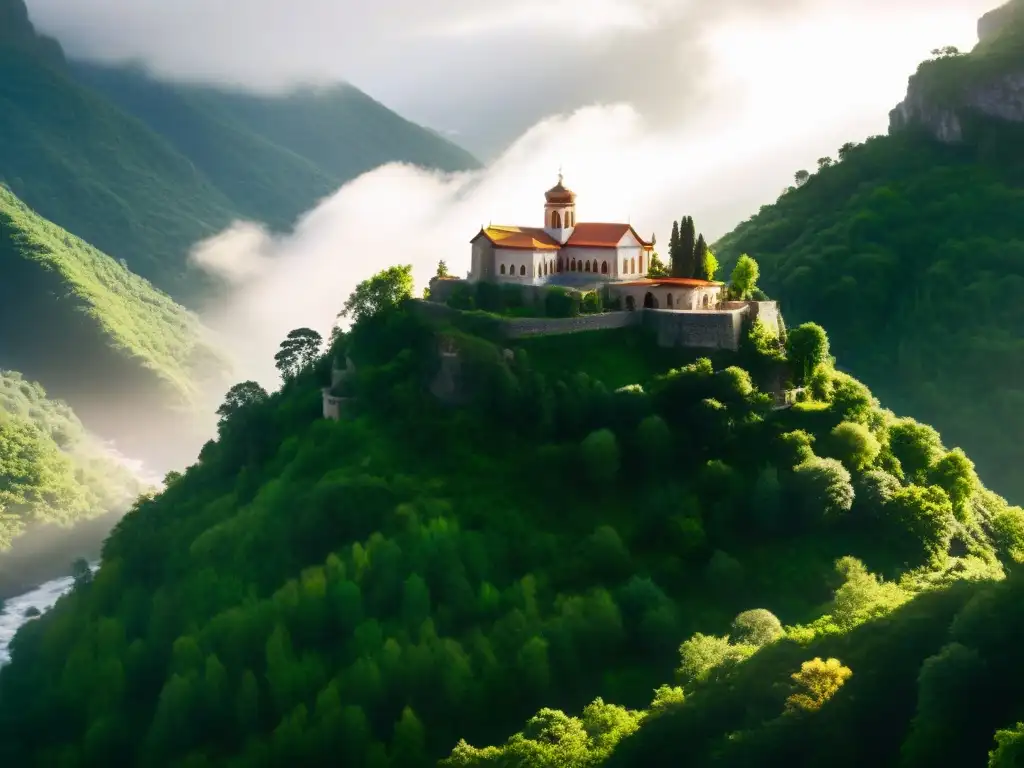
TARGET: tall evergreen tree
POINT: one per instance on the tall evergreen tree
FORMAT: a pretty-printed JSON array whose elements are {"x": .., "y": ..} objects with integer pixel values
[
  {"x": 673, "y": 246},
  {"x": 682, "y": 266},
  {"x": 700, "y": 252}
]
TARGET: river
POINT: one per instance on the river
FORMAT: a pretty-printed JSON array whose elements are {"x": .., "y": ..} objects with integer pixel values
[{"x": 41, "y": 598}]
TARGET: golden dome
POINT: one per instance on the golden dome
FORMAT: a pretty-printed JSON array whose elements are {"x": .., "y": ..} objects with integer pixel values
[{"x": 559, "y": 194}]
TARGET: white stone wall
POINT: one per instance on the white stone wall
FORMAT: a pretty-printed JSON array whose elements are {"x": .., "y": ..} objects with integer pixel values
[
  {"x": 597, "y": 256},
  {"x": 482, "y": 265}
]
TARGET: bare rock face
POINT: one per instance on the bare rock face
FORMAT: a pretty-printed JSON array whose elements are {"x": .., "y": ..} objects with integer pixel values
[
  {"x": 1002, "y": 98},
  {"x": 993, "y": 23},
  {"x": 998, "y": 94}
]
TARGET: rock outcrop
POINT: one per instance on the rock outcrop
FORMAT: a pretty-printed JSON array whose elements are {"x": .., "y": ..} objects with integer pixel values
[{"x": 989, "y": 81}]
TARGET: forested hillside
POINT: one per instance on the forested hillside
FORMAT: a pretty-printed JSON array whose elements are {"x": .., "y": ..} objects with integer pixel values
[
  {"x": 126, "y": 357},
  {"x": 372, "y": 590},
  {"x": 51, "y": 471},
  {"x": 911, "y": 253},
  {"x": 274, "y": 157},
  {"x": 143, "y": 171}
]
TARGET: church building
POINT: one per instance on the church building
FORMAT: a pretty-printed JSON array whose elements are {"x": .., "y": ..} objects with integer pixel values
[{"x": 596, "y": 252}]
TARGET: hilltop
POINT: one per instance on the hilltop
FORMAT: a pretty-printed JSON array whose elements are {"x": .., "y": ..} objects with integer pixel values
[
  {"x": 126, "y": 356},
  {"x": 144, "y": 170},
  {"x": 375, "y": 588},
  {"x": 909, "y": 248}
]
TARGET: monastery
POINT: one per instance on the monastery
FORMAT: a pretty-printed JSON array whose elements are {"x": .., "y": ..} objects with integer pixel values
[{"x": 583, "y": 255}]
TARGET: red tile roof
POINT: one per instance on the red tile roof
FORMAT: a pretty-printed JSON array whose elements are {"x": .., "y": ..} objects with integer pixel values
[
  {"x": 594, "y": 235},
  {"x": 584, "y": 235}
]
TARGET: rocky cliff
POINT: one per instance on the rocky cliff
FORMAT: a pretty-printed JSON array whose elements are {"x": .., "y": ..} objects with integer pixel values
[{"x": 988, "y": 81}]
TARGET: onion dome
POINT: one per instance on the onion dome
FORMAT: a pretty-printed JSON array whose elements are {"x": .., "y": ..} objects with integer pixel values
[{"x": 559, "y": 195}]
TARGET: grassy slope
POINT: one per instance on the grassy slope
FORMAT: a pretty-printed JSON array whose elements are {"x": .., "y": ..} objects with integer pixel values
[
  {"x": 911, "y": 254},
  {"x": 97, "y": 334}
]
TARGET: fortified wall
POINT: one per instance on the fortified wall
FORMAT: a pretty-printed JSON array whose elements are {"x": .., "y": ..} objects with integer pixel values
[{"x": 696, "y": 329}]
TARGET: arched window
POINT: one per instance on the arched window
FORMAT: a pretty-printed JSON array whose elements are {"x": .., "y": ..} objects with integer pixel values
[
  {"x": 641, "y": 264},
  {"x": 556, "y": 220},
  {"x": 559, "y": 263},
  {"x": 503, "y": 269},
  {"x": 604, "y": 267},
  {"x": 706, "y": 301},
  {"x": 572, "y": 266},
  {"x": 668, "y": 300},
  {"x": 587, "y": 268},
  {"x": 632, "y": 262},
  {"x": 572, "y": 218},
  {"x": 522, "y": 269},
  {"x": 625, "y": 266}
]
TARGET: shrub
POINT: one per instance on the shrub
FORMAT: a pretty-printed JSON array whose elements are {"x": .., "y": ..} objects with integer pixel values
[
  {"x": 559, "y": 302},
  {"x": 818, "y": 682},
  {"x": 756, "y": 627},
  {"x": 855, "y": 446}
]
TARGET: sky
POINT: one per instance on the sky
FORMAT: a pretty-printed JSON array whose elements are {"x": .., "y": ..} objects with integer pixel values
[{"x": 654, "y": 109}]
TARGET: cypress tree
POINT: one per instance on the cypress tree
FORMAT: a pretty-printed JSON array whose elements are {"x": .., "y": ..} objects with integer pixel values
[
  {"x": 683, "y": 265},
  {"x": 700, "y": 251},
  {"x": 673, "y": 246}
]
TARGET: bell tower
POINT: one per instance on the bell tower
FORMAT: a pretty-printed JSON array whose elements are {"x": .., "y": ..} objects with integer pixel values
[{"x": 559, "y": 211}]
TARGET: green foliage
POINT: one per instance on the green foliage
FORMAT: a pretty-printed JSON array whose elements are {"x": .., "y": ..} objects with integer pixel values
[
  {"x": 600, "y": 455},
  {"x": 299, "y": 349},
  {"x": 744, "y": 277},
  {"x": 806, "y": 348},
  {"x": 1008, "y": 534},
  {"x": 1009, "y": 751},
  {"x": 757, "y": 627},
  {"x": 388, "y": 288},
  {"x": 909, "y": 252},
  {"x": 51, "y": 470},
  {"x": 709, "y": 266},
  {"x": 559, "y": 302},
  {"x": 823, "y": 486},
  {"x": 656, "y": 267},
  {"x": 923, "y": 518},
  {"x": 855, "y": 445},
  {"x": 375, "y": 589},
  {"x": 817, "y": 682},
  {"x": 120, "y": 320}
]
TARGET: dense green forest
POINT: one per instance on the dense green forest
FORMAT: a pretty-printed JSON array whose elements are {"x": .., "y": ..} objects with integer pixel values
[
  {"x": 143, "y": 170},
  {"x": 51, "y": 470},
  {"x": 372, "y": 590},
  {"x": 911, "y": 254},
  {"x": 96, "y": 334}
]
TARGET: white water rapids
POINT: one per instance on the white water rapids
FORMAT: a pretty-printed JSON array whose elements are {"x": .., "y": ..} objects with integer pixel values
[{"x": 41, "y": 598}]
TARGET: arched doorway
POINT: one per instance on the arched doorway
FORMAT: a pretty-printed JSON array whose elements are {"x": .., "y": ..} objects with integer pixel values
[
  {"x": 630, "y": 304},
  {"x": 572, "y": 265},
  {"x": 556, "y": 220},
  {"x": 668, "y": 300},
  {"x": 650, "y": 302},
  {"x": 706, "y": 302},
  {"x": 586, "y": 267},
  {"x": 604, "y": 267}
]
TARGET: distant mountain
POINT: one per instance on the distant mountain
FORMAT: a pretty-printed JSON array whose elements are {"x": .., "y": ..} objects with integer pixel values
[
  {"x": 143, "y": 170},
  {"x": 909, "y": 249},
  {"x": 130, "y": 360},
  {"x": 274, "y": 156}
]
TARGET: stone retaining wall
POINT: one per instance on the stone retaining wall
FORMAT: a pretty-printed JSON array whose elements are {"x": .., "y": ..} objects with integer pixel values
[
  {"x": 520, "y": 327},
  {"x": 697, "y": 329}
]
